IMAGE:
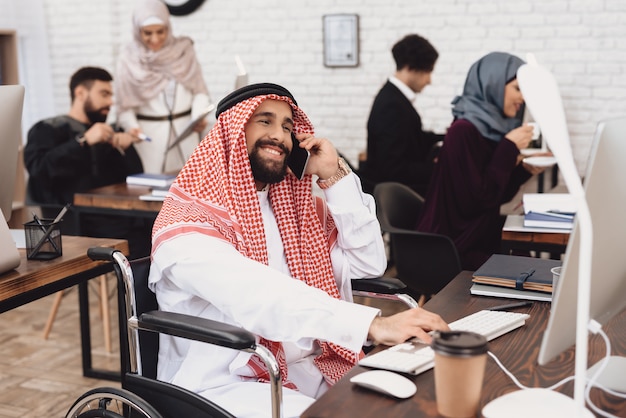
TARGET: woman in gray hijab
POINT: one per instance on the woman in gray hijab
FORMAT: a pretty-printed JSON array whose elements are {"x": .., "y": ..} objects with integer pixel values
[{"x": 480, "y": 165}]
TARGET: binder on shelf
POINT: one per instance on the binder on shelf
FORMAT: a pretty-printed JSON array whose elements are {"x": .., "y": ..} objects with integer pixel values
[
  {"x": 517, "y": 272},
  {"x": 151, "y": 180}
]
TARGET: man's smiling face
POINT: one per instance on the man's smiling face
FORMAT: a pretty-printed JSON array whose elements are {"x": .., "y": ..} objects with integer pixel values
[{"x": 268, "y": 139}]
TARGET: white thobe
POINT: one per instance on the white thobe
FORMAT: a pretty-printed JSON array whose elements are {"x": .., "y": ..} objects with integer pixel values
[
  {"x": 204, "y": 276},
  {"x": 154, "y": 155}
]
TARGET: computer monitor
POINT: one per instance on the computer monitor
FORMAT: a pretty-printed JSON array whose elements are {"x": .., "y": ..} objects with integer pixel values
[
  {"x": 11, "y": 104},
  {"x": 605, "y": 192},
  {"x": 593, "y": 278}
]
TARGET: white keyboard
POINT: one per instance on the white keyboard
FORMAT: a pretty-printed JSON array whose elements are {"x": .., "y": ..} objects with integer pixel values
[{"x": 415, "y": 357}]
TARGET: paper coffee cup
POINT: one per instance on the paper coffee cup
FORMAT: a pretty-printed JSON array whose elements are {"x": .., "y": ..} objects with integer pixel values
[{"x": 460, "y": 359}]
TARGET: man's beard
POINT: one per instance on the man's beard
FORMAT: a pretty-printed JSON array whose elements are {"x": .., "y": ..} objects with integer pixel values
[
  {"x": 267, "y": 171},
  {"x": 95, "y": 115}
]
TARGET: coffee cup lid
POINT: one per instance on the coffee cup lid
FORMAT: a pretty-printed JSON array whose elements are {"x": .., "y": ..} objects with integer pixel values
[{"x": 459, "y": 343}]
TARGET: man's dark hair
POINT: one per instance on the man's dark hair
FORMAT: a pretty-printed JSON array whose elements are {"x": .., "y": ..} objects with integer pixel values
[
  {"x": 86, "y": 76},
  {"x": 414, "y": 52}
]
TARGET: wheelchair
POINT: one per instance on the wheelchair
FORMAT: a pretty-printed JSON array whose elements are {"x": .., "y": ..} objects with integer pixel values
[{"x": 140, "y": 322}]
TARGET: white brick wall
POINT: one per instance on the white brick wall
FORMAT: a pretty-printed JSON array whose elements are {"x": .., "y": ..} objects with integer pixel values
[{"x": 581, "y": 41}]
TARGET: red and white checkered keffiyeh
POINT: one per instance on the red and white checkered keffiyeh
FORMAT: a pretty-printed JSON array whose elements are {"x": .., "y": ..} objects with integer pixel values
[{"x": 215, "y": 194}]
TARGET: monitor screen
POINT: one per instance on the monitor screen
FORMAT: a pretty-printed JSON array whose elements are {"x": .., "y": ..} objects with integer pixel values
[
  {"x": 11, "y": 103},
  {"x": 605, "y": 191}
]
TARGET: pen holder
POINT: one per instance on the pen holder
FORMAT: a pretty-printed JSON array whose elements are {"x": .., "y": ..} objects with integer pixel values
[{"x": 43, "y": 239}]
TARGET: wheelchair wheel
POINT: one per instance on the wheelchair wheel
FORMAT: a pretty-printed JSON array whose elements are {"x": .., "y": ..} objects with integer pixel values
[{"x": 111, "y": 403}]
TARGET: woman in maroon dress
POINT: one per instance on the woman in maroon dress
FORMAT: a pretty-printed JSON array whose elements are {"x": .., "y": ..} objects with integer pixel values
[{"x": 480, "y": 165}]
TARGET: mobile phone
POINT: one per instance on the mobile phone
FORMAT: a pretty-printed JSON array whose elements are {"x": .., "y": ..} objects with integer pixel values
[{"x": 298, "y": 158}]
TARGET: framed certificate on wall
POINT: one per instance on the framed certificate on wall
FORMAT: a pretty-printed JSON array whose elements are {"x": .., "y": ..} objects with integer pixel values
[{"x": 341, "y": 40}]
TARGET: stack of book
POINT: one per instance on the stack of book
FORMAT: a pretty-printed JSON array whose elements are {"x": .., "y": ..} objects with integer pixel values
[
  {"x": 549, "y": 210},
  {"x": 151, "y": 180}
]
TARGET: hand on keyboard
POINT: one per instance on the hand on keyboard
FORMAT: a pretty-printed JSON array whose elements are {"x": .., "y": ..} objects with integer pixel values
[
  {"x": 404, "y": 325},
  {"x": 415, "y": 356}
]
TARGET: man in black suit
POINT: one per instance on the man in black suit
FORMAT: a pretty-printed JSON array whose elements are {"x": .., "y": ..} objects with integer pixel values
[{"x": 397, "y": 147}]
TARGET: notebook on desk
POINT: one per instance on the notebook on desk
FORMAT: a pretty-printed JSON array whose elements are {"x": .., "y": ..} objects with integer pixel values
[
  {"x": 9, "y": 256},
  {"x": 517, "y": 272}
]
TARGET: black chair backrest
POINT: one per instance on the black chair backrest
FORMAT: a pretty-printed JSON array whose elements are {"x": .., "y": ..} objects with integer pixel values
[
  {"x": 398, "y": 206},
  {"x": 171, "y": 401},
  {"x": 424, "y": 262}
]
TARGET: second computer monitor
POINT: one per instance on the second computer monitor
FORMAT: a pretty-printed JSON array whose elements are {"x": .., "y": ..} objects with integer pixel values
[
  {"x": 11, "y": 104},
  {"x": 605, "y": 192}
]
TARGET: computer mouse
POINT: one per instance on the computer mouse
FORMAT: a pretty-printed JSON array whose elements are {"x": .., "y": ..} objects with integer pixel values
[{"x": 386, "y": 382}]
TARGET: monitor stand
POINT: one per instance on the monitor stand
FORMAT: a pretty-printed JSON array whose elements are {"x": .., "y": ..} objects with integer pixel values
[
  {"x": 540, "y": 403},
  {"x": 612, "y": 377},
  {"x": 536, "y": 403}
]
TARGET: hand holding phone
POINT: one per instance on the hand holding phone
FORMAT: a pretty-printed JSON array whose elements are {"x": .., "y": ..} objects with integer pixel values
[{"x": 298, "y": 158}]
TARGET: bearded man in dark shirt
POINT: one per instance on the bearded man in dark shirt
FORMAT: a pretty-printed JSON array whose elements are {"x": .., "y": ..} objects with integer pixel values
[{"x": 79, "y": 151}]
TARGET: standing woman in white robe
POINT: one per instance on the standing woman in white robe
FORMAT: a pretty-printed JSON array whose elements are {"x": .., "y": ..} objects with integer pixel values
[{"x": 160, "y": 89}]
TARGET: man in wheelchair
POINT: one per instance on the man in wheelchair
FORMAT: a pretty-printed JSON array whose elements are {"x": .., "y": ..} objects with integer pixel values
[{"x": 242, "y": 240}]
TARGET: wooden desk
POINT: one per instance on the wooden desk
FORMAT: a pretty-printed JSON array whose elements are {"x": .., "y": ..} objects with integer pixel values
[
  {"x": 516, "y": 237},
  {"x": 117, "y": 199},
  {"x": 35, "y": 279},
  {"x": 518, "y": 351}
]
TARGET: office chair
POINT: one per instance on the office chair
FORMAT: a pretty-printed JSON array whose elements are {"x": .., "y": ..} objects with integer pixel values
[
  {"x": 425, "y": 262},
  {"x": 140, "y": 323}
]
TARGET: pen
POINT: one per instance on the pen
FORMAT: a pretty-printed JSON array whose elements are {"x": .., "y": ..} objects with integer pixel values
[
  {"x": 144, "y": 137},
  {"x": 511, "y": 306},
  {"x": 562, "y": 214},
  {"x": 43, "y": 229}
]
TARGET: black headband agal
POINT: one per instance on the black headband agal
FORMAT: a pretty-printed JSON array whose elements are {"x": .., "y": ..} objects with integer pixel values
[{"x": 260, "y": 89}]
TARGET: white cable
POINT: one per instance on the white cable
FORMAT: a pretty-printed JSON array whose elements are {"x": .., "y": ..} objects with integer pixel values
[
  {"x": 596, "y": 328},
  {"x": 517, "y": 382},
  {"x": 610, "y": 391}
]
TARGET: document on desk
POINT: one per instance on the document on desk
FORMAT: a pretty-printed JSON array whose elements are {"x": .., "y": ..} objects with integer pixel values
[{"x": 517, "y": 272}]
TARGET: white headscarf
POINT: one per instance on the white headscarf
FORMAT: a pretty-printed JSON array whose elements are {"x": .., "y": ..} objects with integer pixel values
[{"x": 142, "y": 74}]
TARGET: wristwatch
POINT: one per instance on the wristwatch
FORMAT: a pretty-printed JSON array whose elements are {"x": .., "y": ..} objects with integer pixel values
[
  {"x": 342, "y": 171},
  {"x": 81, "y": 139}
]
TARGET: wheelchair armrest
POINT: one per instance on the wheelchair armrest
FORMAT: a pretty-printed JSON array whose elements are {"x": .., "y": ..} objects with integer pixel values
[
  {"x": 383, "y": 288},
  {"x": 198, "y": 329},
  {"x": 383, "y": 285}
]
